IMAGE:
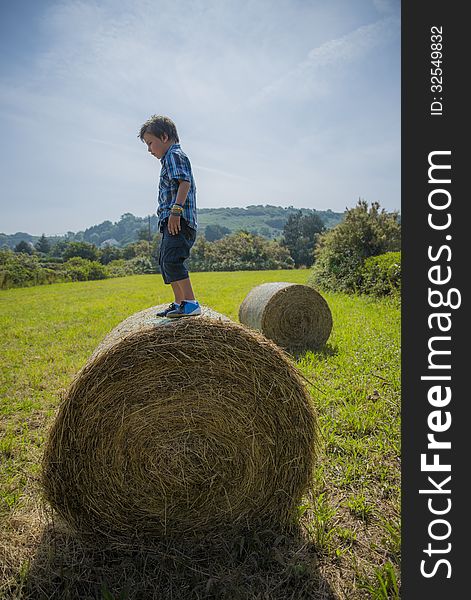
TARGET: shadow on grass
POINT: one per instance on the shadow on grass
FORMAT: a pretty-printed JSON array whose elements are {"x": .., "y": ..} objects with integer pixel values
[
  {"x": 240, "y": 566},
  {"x": 325, "y": 352}
]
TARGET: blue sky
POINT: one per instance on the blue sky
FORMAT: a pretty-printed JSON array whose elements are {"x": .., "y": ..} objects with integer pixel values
[{"x": 282, "y": 102}]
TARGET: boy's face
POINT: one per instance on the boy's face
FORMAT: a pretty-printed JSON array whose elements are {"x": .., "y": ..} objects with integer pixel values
[{"x": 157, "y": 146}]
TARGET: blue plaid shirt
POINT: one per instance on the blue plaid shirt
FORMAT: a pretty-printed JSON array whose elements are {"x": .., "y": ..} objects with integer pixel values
[{"x": 176, "y": 165}]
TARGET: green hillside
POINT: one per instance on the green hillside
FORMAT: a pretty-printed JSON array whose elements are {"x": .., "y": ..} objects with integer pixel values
[{"x": 267, "y": 221}]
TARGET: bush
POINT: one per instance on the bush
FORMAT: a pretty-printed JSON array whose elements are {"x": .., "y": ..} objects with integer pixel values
[
  {"x": 136, "y": 266},
  {"x": 77, "y": 269},
  {"x": 241, "y": 251},
  {"x": 141, "y": 265},
  {"x": 343, "y": 249},
  {"x": 97, "y": 271},
  {"x": 381, "y": 275},
  {"x": 119, "y": 268},
  {"x": 19, "y": 269},
  {"x": 81, "y": 269}
]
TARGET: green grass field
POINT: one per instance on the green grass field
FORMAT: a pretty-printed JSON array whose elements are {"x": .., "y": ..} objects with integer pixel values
[{"x": 351, "y": 516}]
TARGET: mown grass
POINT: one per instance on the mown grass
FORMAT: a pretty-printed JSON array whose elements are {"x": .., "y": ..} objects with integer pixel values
[{"x": 351, "y": 515}]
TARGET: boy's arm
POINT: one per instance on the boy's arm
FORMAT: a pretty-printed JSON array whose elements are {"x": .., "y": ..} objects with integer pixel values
[
  {"x": 174, "y": 224},
  {"x": 182, "y": 193}
]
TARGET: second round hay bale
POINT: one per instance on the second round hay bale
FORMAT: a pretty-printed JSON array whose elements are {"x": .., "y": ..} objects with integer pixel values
[
  {"x": 295, "y": 316},
  {"x": 180, "y": 426}
]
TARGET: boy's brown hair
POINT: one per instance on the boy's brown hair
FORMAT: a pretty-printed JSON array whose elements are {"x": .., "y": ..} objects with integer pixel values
[{"x": 158, "y": 125}]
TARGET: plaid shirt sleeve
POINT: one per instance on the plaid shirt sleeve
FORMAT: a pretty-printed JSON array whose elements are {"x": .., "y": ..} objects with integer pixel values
[{"x": 179, "y": 167}]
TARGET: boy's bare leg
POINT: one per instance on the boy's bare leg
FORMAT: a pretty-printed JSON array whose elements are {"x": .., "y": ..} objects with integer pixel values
[
  {"x": 182, "y": 290},
  {"x": 176, "y": 292}
]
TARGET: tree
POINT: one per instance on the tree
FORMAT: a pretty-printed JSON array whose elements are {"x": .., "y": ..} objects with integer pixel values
[
  {"x": 127, "y": 228},
  {"x": 109, "y": 253},
  {"x": 215, "y": 232},
  {"x": 98, "y": 233},
  {"x": 59, "y": 248},
  {"x": 94, "y": 239},
  {"x": 276, "y": 223},
  {"x": 342, "y": 251},
  {"x": 82, "y": 250},
  {"x": 143, "y": 234},
  {"x": 43, "y": 245},
  {"x": 300, "y": 235},
  {"x": 141, "y": 248},
  {"x": 24, "y": 247}
]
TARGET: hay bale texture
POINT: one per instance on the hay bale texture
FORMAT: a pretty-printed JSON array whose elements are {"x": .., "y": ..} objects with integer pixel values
[
  {"x": 180, "y": 426},
  {"x": 294, "y": 316}
]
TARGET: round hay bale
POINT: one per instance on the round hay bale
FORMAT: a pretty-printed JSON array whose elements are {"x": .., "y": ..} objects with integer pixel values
[
  {"x": 294, "y": 316},
  {"x": 180, "y": 426}
]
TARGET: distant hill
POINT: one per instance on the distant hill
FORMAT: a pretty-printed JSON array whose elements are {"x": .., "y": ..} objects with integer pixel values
[{"x": 267, "y": 221}]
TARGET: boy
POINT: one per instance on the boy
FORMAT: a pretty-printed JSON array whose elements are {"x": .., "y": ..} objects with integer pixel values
[{"x": 176, "y": 212}]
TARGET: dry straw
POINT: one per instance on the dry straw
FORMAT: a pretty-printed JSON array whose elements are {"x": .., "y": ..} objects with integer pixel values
[
  {"x": 180, "y": 426},
  {"x": 294, "y": 316}
]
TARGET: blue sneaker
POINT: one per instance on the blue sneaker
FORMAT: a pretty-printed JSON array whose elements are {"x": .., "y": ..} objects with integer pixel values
[
  {"x": 187, "y": 308},
  {"x": 164, "y": 313}
]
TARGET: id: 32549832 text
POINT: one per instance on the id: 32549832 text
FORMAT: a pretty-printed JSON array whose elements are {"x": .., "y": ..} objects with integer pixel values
[{"x": 436, "y": 70}]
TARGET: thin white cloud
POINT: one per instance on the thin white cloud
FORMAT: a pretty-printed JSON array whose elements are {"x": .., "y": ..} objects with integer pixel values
[
  {"x": 353, "y": 46},
  {"x": 313, "y": 74},
  {"x": 222, "y": 173}
]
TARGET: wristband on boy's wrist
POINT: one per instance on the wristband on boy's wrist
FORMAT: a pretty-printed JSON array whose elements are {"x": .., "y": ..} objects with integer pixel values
[{"x": 176, "y": 209}]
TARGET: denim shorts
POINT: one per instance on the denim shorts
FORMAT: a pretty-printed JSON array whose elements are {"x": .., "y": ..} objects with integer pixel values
[{"x": 174, "y": 250}]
